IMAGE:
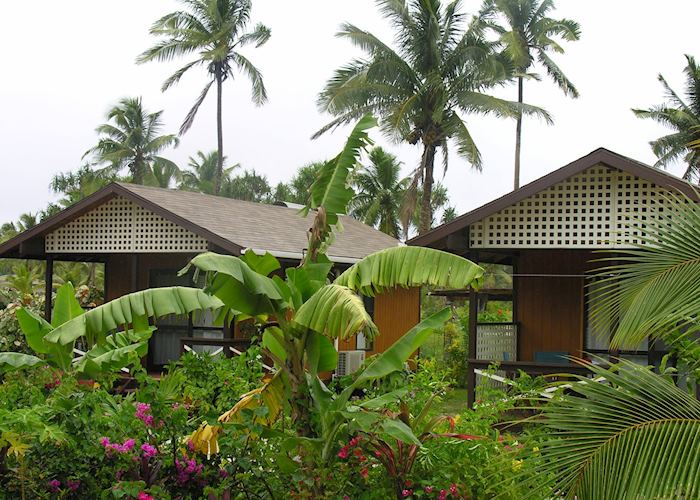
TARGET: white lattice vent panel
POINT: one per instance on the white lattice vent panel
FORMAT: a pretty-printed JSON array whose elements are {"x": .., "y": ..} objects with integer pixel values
[
  {"x": 121, "y": 226},
  {"x": 588, "y": 210}
]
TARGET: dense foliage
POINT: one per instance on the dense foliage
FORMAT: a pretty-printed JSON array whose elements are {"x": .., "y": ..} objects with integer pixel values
[{"x": 61, "y": 437}]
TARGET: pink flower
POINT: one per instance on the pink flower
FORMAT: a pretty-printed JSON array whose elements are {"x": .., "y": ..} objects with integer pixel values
[
  {"x": 73, "y": 485},
  {"x": 144, "y": 496},
  {"x": 148, "y": 450},
  {"x": 428, "y": 489},
  {"x": 190, "y": 445},
  {"x": 443, "y": 495},
  {"x": 378, "y": 454},
  {"x": 453, "y": 489},
  {"x": 54, "y": 485},
  {"x": 364, "y": 472},
  {"x": 128, "y": 445},
  {"x": 343, "y": 453},
  {"x": 104, "y": 441},
  {"x": 406, "y": 493}
]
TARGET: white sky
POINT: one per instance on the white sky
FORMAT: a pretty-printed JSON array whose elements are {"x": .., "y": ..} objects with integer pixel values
[{"x": 64, "y": 63}]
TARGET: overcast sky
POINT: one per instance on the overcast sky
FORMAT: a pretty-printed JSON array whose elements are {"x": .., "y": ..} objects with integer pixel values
[{"x": 65, "y": 62}]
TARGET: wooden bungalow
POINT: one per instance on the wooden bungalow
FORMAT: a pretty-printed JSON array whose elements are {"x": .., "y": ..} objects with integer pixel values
[
  {"x": 547, "y": 234},
  {"x": 145, "y": 235}
]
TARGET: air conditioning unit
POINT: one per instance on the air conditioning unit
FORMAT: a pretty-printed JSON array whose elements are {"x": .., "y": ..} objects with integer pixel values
[{"x": 349, "y": 362}]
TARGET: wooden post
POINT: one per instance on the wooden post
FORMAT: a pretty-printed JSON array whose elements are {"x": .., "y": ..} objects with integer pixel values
[
  {"x": 48, "y": 290},
  {"x": 471, "y": 348}
]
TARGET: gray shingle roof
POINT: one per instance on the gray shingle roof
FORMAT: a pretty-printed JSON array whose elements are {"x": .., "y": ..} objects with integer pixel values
[{"x": 260, "y": 226}]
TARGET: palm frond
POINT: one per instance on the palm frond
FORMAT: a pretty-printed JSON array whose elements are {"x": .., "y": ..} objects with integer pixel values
[
  {"x": 632, "y": 435},
  {"x": 653, "y": 289},
  {"x": 189, "y": 119}
]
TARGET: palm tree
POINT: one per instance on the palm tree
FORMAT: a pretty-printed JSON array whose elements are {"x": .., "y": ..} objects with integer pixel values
[
  {"x": 527, "y": 35},
  {"x": 438, "y": 71},
  {"x": 78, "y": 185},
  {"x": 682, "y": 114},
  {"x": 201, "y": 174},
  {"x": 380, "y": 193},
  {"x": 249, "y": 186},
  {"x": 215, "y": 30},
  {"x": 131, "y": 140},
  {"x": 439, "y": 200},
  {"x": 297, "y": 189},
  {"x": 163, "y": 174}
]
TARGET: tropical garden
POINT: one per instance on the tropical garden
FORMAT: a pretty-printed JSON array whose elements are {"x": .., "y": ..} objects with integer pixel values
[{"x": 81, "y": 418}]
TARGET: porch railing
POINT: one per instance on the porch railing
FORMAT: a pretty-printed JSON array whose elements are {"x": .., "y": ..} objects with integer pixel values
[
  {"x": 497, "y": 341},
  {"x": 509, "y": 369}
]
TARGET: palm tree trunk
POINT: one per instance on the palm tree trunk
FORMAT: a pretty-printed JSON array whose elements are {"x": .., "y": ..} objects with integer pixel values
[
  {"x": 518, "y": 134},
  {"x": 426, "y": 209},
  {"x": 219, "y": 135}
]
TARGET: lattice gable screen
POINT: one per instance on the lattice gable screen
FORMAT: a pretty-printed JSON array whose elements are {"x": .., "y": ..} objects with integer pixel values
[
  {"x": 588, "y": 210},
  {"x": 121, "y": 226}
]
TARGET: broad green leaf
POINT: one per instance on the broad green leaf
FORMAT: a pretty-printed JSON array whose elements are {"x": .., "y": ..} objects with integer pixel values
[
  {"x": 261, "y": 264},
  {"x": 400, "y": 431},
  {"x": 337, "y": 312},
  {"x": 394, "y": 357},
  {"x": 331, "y": 189},
  {"x": 409, "y": 267},
  {"x": 271, "y": 341},
  {"x": 18, "y": 360},
  {"x": 34, "y": 328},
  {"x": 115, "y": 353},
  {"x": 152, "y": 303},
  {"x": 238, "y": 270},
  {"x": 304, "y": 282},
  {"x": 66, "y": 306},
  {"x": 384, "y": 400},
  {"x": 321, "y": 396},
  {"x": 320, "y": 353},
  {"x": 238, "y": 297}
]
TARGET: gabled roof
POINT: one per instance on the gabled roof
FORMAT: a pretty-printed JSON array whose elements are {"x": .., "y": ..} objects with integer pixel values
[
  {"x": 599, "y": 156},
  {"x": 232, "y": 225}
]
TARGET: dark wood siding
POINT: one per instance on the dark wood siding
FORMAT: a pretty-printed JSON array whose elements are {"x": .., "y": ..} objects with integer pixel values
[{"x": 550, "y": 309}]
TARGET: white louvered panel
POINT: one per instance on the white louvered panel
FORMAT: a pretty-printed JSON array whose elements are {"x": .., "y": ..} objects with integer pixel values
[
  {"x": 588, "y": 210},
  {"x": 121, "y": 226}
]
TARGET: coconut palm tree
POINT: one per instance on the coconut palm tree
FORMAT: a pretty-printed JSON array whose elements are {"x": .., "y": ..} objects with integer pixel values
[
  {"x": 131, "y": 140},
  {"x": 438, "y": 73},
  {"x": 214, "y": 30},
  {"x": 380, "y": 193},
  {"x": 248, "y": 186},
  {"x": 527, "y": 35},
  {"x": 201, "y": 174},
  {"x": 682, "y": 114},
  {"x": 163, "y": 174},
  {"x": 78, "y": 185}
]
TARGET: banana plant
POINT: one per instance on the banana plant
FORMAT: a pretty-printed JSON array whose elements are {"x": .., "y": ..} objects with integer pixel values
[
  {"x": 302, "y": 313},
  {"x": 109, "y": 349}
]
